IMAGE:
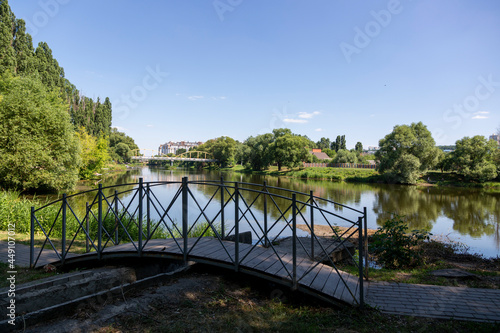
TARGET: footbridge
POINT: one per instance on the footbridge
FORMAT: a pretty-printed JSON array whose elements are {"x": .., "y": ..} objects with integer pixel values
[
  {"x": 189, "y": 156},
  {"x": 208, "y": 221}
]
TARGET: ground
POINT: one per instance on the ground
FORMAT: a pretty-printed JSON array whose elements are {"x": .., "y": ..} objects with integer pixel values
[{"x": 205, "y": 299}]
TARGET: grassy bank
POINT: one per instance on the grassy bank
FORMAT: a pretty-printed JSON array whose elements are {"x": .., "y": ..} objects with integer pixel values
[{"x": 432, "y": 178}]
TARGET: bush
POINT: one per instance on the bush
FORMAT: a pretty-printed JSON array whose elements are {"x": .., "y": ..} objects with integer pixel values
[{"x": 394, "y": 247}]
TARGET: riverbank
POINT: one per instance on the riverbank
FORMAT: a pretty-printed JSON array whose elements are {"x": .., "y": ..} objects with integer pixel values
[
  {"x": 431, "y": 178},
  {"x": 467, "y": 269}
]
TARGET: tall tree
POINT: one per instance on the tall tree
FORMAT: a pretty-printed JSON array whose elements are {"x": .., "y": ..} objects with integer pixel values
[
  {"x": 260, "y": 155},
  {"x": 407, "y": 152},
  {"x": 7, "y": 26},
  {"x": 343, "y": 144},
  {"x": 359, "y": 147},
  {"x": 323, "y": 143},
  {"x": 23, "y": 48},
  {"x": 288, "y": 149}
]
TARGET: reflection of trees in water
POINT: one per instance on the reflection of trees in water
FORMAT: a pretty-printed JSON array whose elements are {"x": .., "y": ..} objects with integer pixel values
[
  {"x": 420, "y": 208},
  {"x": 474, "y": 213}
]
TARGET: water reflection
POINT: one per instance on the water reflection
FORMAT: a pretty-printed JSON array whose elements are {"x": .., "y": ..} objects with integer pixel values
[{"x": 471, "y": 213}]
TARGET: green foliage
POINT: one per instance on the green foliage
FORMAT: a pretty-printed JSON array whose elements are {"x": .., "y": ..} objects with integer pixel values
[
  {"x": 38, "y": 147},
  {"x": 121, "y": 146},
  {"x": 323, "y": 144},
  {"x": 475, "y": 157},
  {"x": 222, "y": 149},
  {"x": 359, "y": 147},
  {"x": 345, "y": 156},
  {"x": 288, "y": 149},
  {"x": 94, "y": 154},
  {"x": 394, "y": 247},
  {"x": 260, "y": 154},
  {"x": 397, "y": 147}
]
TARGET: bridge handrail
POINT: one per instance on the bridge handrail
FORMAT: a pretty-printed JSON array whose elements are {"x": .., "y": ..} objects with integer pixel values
[{"x": 243, "y": 213}]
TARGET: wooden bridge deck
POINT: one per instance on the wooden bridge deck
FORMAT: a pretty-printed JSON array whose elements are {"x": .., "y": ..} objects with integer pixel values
[{"x": 322, "y": 281}]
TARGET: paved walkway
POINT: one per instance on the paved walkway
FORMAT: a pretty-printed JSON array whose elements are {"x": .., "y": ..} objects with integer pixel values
[
  {"x": 473, "y": 304},
  {"x": 420, "y": 300}
]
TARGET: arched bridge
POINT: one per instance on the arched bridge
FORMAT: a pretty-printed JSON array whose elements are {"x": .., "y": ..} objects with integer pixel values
[
  {"x": 189, "y": 156},
  {"x": 207, "y": 222}
]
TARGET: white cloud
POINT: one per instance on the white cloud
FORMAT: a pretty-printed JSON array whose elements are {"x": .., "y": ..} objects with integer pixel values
[
  {"x": 121, "y": 129},
  {"x": 150, "y": 125},
  {"x": 295, "y": 121},
  {"x": 220, "y": 98},
  {"x": 481, "y": 115},
  {"x": 307, "y": 115},
  {"x": 319, "y": 130},
  {"x": 194, "y": 98}
]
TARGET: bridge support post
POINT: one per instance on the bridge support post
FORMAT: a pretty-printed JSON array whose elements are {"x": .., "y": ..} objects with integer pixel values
[
  {"x": 366, "y": 244},
  {"x": 32, "y": 237},
  {"x": 63, "y": 240},
  {"x": 99, "y": 223},
  {"x": 117, "y": 222},
  {"x": 148, "y": 211},
  {"x": 222, "y": 203},
  {"x": 266, "y": 238},
  {"x": 236, "y": 227},
  {"x": 141, "y": 194},
  {"x": 294, "y": 240},
  {"x": 185, "y": 217},
  {"x": 360, "y": 250},
  {"x": 87, "y": 225},
  {"x": 311, "y": 201}
]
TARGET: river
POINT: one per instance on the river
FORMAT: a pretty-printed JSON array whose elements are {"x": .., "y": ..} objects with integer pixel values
[{"x": 467, "y": 216}]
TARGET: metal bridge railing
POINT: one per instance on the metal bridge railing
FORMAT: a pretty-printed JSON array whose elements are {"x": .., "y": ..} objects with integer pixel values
[{"x": 138, "y": 213}]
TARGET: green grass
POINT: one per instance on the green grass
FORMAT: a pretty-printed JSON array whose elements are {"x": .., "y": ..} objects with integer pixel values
[{"x": 23, "y": 275}]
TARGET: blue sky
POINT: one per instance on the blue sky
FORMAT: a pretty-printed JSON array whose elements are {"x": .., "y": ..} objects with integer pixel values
[{"x": 195, "y": 70}]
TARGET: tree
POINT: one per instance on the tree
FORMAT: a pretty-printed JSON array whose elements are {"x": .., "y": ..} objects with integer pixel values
[
  {"x": 23, "y": 48},
  {"x": 94, "y": 154},
  {"x": 323, "y": 143},
  {"x": 38, "y": 146},
  {"x": 343, "y": 144},
  {"x": 260, "y": 154},
  {"x": 345, "y": 156},
  {"x": 288, "y": 149},
  {"x": 7, "y": 25},
  {"x": 122, "y": 150},
  {"x": 337, "y": 144},
  {"x": 115, "y": 139},
  {"x": 474, "y": 158},
  {"x": 180, "y": 151},
  {"x": 404, "y": 141},
  {"x": 222, "y": 149},
  {"x": 359, "y": 147}
]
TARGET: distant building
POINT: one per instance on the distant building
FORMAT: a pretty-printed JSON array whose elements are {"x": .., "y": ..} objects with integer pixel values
[
  {"x": 319, "y": 154},
  {"x": 173, "y": 147},
  {"x": 495, "y": 137}
]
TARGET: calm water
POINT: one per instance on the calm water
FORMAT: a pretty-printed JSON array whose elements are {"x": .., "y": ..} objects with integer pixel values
[{"x": 464, "y": 215}]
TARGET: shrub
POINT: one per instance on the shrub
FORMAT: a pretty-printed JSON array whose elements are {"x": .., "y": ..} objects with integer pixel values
[{"x": 394, "y": 247}]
